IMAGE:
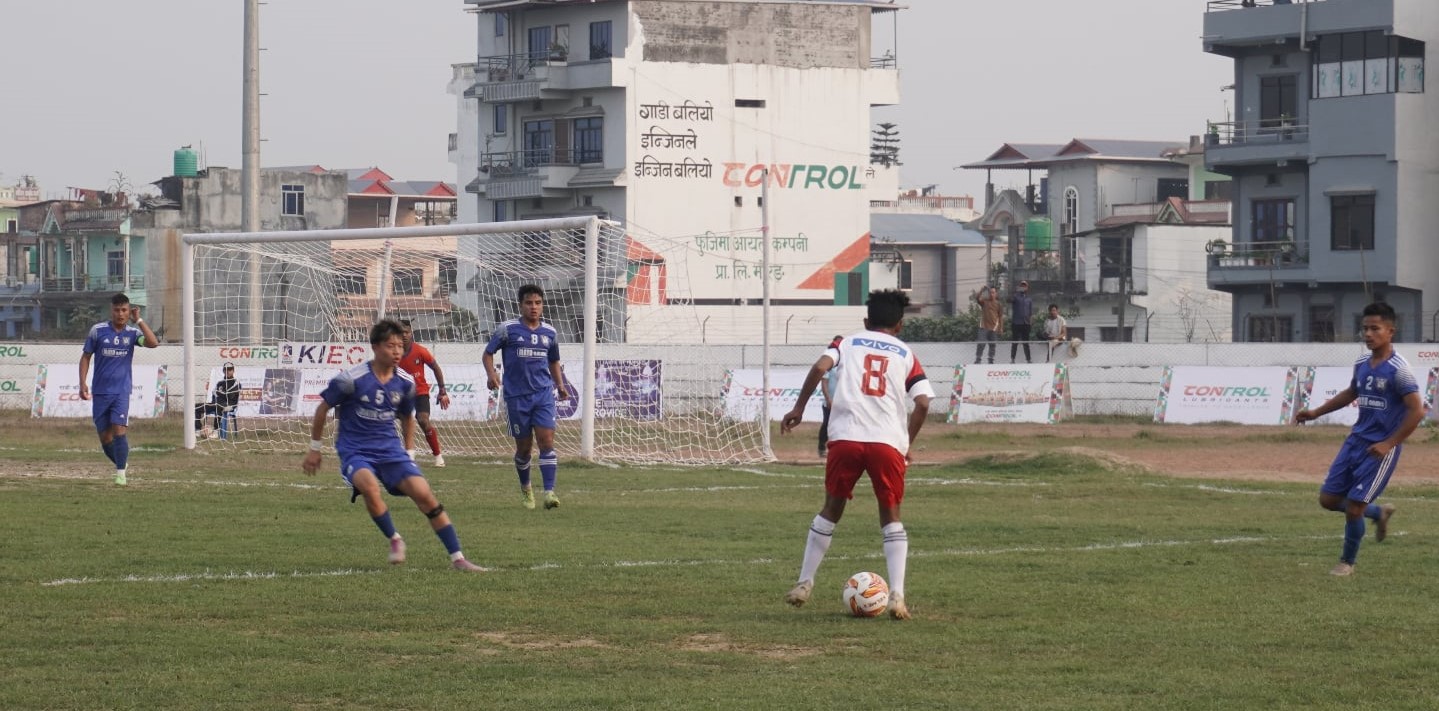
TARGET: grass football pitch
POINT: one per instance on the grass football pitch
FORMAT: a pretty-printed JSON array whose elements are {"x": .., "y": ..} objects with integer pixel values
[{"x": 1054, "y": 581}]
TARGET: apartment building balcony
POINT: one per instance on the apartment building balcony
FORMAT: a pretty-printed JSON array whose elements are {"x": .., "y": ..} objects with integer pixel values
[
  {"x": 509, "y": 78},
  {"x": 87, "y": 284},
  {"x": 1248, "y": 263},
  {"x": 529, "y": 174},
  {"x": 1234, "y": 27},
  {"x": 1261, "y": 142}
]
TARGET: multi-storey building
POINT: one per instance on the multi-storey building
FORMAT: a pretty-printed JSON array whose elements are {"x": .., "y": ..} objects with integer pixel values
[
  {"x": 1335, "y": 165},
  {"x": 670, "y": 116}
]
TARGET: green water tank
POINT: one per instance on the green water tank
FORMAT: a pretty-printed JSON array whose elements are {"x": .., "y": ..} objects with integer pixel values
[
  {"x": 187, "y": 162},
  {"x": 1038, "y": 235}
]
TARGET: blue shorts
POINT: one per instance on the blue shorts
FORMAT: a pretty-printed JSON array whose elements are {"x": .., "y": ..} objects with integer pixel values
[
  {"x": 110, "y": 410},
  {"x": 527, "y": 412},
  {"x": 390, "y": 471},
  {"x": 1358, "y": 475}
]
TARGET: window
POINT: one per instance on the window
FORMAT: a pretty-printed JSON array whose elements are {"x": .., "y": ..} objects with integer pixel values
[
  {"x": 906, "y": 275},
  {"x": 1167, "y": 188},
  {"x": 1351, "y": 222},
  {"x": 502, "y": 212},
  {"x": 449, "y": 274},
  {"x": 502, "y": 119},
  {"x": 1271, "y": 329},
  {"x": 1069, "y": 223},
  {"x": 589, "y": 139},
  {"x": 1115, "y": 257},
  {"x": 1110, "y": 334},
  {"x": 539, "y": 143},
  {"x": 502, "y": 22},
  {"x": 1277, "y": 100},
  {"x": 540, "y": 39},
  {"x": 601, "y": 46},
  {"x": 1369, "y": 62},
  {"x": 292, "y": 199},
  {"x": 1219, "y": 190},
  {"x": 1321, "y": 324},
  {"x": 408, "y": 282},
  {"x": 350, "y": 281},
  {"x": 115, "y": 266},
  {"x": 1271, "y": 220},
  {"x": 11, "y": 226}
]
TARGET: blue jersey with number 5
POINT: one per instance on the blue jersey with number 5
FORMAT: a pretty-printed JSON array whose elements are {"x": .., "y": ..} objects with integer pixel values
[
  {"x": 1381, "y": 390},
  {"x": 527, "y": 354}
]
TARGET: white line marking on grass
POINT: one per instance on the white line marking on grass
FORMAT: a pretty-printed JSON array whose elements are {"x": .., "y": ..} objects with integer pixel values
[
  {"x": 209, "y": 576},
  {"x": 675, "y": 563}
]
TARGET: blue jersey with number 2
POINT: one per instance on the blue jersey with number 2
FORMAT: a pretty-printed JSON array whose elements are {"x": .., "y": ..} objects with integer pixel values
[{"x": 1381, "y": 390}]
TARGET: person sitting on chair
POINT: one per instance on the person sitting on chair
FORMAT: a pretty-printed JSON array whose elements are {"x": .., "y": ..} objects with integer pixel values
[{"x": 223, "y": 400}]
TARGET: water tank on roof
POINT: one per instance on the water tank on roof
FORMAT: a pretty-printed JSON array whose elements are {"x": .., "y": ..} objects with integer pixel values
[
  {"x": 187, "y": 162},
  {"x": 1038, "y": 235}
]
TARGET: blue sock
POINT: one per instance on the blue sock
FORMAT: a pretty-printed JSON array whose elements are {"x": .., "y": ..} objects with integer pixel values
[
  {"x": 387, "y": 526},
  {"x": 549, "y": 468},
  {"x": 121, "y": 445},
  {"x": 109, "y": 448},
  {"x": 449, "y": 538},
  {"x": 522, "y": 467},
  {"x": 1373, "y": 511},
  {"x": 1353, "y": 534}
]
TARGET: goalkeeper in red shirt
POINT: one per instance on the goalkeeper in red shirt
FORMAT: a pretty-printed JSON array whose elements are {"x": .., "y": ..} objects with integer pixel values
[{"x": 414, "y": 360}]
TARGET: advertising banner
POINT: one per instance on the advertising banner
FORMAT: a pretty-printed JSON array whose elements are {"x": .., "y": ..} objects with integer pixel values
[
  {"x": 470, "y": 396},
  {"x": 1190, "y": 394},
  {"x": 1010, "y": 393},
  {"x": 1325, "y": 382},
  {"x": 337, "y": 355},
  {"x": 624, "y": 389},
  {"x": 744, "y": 388},
  {"x": 57, "y": 391}
]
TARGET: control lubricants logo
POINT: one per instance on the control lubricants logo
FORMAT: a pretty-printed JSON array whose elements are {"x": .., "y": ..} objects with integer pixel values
[
  {"x": 1227, "y": 393},
  {"x": 12, "y": 351}
]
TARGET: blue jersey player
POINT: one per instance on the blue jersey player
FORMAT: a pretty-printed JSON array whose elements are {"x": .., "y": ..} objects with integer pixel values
[
  {"x": 367, "y": 399},
  {"x": 533, "y": 381},
  {"x": 1389, "y": 410},
  {"x": 112, "y": 345}
]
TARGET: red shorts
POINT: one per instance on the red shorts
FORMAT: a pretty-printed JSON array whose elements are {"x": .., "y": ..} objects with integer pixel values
[{"x": 847, "y": 460}]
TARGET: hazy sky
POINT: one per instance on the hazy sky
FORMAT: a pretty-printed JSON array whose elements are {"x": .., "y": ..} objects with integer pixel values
[{"x": 99, "y": 86}]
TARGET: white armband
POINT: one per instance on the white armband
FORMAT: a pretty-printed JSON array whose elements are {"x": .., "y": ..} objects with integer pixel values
[{"x": 316, "y": 445}]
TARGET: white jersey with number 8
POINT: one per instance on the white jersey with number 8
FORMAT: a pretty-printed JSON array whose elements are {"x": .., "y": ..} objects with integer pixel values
[{"x": 874, "y": 375}]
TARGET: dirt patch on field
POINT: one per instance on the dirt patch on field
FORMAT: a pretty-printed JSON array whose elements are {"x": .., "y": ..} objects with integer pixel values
[
  {"x": 1290, "y": 454},
  {"x": 720, "y": 643},
  {"x": 519, "y": 641}
]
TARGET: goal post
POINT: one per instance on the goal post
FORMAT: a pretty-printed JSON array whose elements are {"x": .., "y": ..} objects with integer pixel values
[{"x": 281, "y": 298}]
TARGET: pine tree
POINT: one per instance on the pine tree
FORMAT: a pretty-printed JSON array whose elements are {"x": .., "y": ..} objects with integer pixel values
[{"x": 884, "y": 150}]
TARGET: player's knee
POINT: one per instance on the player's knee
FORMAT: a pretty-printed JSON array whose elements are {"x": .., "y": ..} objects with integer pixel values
[{"x": 435, "y": 512}]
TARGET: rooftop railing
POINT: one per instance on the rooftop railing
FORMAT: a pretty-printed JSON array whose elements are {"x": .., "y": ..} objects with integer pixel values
[
  {"x": 1228, "y": 133},
  {"x": 1222, "y": 5}
]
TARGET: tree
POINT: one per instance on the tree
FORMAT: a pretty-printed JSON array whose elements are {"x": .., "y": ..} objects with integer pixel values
[
  {"x": 942, "y": 329},
  {"x": 884, "y": 150}
]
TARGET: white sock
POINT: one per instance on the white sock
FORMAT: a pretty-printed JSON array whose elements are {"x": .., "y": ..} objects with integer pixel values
[
  {"x": 821, "y": 531},
  {"x": 119, "y": 472},
  {"x": 896, "y": 552},
  {"x": 457, "y": 555}
]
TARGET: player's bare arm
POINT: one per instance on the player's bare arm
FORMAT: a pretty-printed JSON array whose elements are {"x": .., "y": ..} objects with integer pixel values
[
  {"x": 558, "y": 374},
  {"x": 84, "y": 376},
  {"x": 151, "y": 340},
  {"x": 407, "y": 430},
  {"x": 811, "y": 381},
  {"x": 492, "y": 377},
  {"x": 1339, "y": 401},
  {"x": 444, "y": 398},
  {"x": 1413, "y": 415},
  {"x": 311, "y": 463}
]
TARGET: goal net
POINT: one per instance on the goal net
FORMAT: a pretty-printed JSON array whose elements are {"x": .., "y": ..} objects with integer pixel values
[{"x": 291, "y": 309}]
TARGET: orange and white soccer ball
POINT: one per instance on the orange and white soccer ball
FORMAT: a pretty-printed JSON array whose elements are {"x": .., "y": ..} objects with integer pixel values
[{"x": 865, "y": 595}]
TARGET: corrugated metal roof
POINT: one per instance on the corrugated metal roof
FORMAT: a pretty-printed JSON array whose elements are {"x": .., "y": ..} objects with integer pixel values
[
  {"x": 1042, "y": 155},
  {"x": 914, "y": 229}
]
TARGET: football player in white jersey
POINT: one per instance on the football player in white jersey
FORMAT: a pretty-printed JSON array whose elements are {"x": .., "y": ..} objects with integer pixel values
[{"x": 870, "y": 431}]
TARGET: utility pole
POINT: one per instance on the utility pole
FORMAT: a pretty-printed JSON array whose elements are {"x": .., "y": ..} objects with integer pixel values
[
  {"x": 250, "y": 164},
  {"x": 1124, "y": 281}
]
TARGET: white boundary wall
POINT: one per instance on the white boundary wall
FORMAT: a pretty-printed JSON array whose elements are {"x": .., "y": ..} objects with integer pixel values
[{"x": 1105, "y": 378}]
